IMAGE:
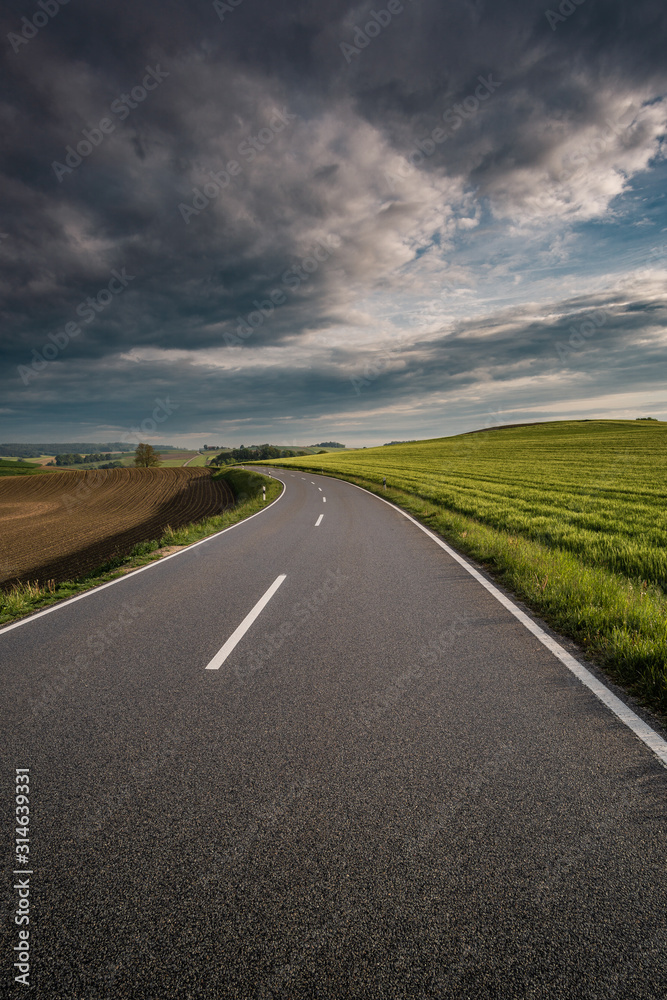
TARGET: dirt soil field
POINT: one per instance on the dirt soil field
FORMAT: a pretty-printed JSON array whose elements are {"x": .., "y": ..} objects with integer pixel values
[{"x": 61, "y": 526}]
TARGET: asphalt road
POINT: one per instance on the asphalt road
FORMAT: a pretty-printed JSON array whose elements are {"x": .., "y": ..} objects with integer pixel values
[{"x": 388, "y": 788}]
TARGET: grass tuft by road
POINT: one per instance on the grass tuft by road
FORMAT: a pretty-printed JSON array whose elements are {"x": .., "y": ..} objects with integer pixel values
[{"x": 25, "y": 598}]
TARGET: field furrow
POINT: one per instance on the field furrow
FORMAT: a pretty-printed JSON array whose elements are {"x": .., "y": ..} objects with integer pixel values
[{"x": 61, "y": 526}]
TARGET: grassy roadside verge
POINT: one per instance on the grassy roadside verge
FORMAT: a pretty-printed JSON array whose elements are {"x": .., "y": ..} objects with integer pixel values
[
  {"x": 620, "y": 623},
  {"x": 25, "y": 598}
]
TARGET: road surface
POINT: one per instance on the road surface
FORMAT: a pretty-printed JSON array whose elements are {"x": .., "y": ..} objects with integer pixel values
[{"x": 313, "y": 757}]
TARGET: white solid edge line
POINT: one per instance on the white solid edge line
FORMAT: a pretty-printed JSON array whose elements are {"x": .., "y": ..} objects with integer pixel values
[
  {"x": 239, "y": 632},
  {"x": 319, "y": 520},
  {"x": 135, "y": 572},
  {"x": 629, "y": 718}
]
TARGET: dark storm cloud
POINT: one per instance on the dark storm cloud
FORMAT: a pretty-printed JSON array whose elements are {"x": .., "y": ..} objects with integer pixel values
[
  {"x": 601, "y": 337},
  {"x": 304, "y": 140}
]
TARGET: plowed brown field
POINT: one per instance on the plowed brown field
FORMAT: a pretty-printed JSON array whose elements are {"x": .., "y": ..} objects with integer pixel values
[{"x": 61, "y": 526}]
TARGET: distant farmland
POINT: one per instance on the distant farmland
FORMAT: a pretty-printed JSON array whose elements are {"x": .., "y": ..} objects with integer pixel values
[
  {"x": 572, "y": 515},
  {"x": 60, "y": 526},
  {"x": 17, "y": 467}
]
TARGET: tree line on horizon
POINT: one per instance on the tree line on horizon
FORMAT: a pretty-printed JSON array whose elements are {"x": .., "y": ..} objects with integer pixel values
[
  {"x": 71, "y": 458},
  {"x": 260, "y": 452},
  {"x": 32, "y": 450}
]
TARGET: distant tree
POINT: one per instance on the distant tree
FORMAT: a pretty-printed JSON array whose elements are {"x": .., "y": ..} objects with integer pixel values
[
  {"x": 267, "y": 451},
  {"x": 145, "y": 456},
  {"x": 322, "y": 451}
]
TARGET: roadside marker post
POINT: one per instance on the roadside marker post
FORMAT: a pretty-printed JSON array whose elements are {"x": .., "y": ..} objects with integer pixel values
[{"x": 263, "y": 493}]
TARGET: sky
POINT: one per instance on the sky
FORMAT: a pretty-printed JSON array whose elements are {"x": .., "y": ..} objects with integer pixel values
[{"x": 295, "y": 222}]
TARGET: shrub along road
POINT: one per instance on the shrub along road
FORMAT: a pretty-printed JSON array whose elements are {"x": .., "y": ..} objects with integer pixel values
[{"x": 382, "y": 786}]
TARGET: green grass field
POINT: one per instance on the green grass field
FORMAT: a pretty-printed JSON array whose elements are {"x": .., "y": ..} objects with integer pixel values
[
  {"x": 193, "y": 460},
  {"x": 18, "y": 467},
  {"x": 570, "y": 515}
]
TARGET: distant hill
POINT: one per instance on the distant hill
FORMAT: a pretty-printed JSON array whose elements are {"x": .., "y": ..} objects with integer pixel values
[{"x": 32, "y": 450}]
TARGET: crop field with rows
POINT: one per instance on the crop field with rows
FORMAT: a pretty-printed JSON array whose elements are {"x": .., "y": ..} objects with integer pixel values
[
  {"x": 571, "y": 514},
  {"x": 60, "y": 526}
]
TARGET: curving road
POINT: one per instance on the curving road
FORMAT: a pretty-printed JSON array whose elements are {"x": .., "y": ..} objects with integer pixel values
[{"x": 313, "y": 757}]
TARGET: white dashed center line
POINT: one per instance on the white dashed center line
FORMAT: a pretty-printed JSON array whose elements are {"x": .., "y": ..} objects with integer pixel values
[
  {"x": 319, "y": 521},
  {"x": 238, "y": 633}
]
